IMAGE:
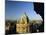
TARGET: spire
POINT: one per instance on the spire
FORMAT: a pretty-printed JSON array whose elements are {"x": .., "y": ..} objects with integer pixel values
[{"x": 26, "y": 17}]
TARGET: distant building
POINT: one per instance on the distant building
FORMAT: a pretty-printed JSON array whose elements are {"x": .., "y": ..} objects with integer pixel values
[{"x": 22, "y": 24}]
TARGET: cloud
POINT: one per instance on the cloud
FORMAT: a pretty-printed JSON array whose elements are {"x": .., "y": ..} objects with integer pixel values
[{"x": 38, "y": 17}]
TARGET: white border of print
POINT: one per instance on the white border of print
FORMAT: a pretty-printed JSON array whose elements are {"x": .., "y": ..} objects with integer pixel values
[{"x": 2, "y": 17}]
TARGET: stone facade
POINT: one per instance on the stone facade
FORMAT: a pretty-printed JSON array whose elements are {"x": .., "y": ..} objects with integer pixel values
[{"x": 22, "y": 25}]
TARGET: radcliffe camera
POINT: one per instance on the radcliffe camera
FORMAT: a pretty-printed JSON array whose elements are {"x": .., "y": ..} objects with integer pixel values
[{"x": 23, "y": 17}]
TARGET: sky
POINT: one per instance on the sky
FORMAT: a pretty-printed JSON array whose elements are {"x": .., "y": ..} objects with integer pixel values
[{"x": 15, "y": 9}]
